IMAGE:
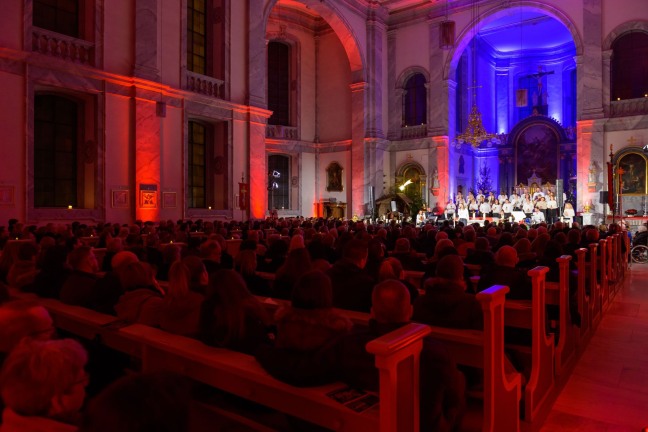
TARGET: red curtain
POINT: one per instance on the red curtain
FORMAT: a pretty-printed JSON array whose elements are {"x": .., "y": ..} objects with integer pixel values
[{"x": 611, "y": 200}]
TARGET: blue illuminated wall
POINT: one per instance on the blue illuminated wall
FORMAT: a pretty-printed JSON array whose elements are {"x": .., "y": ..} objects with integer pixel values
[{"x": 491, "y": 77}]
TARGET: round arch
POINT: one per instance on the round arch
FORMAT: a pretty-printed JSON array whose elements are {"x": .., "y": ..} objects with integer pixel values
[
  {"x": 622, "y": 29},
  {"x": 498, "y": 11},
  {"x": 409, "y": 72},
  {"x": 340, "y": 26}
]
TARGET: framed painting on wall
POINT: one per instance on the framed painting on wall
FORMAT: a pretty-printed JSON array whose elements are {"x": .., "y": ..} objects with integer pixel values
[
  {"x": 120, "y": 198},
  {"x": 169, "y": 200},
  {"x": 632, "y": 178},
  {"x": 334, "y": 177}
]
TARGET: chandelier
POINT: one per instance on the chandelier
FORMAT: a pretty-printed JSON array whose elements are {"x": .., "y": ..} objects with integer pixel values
[{"x": 475, "y": 132}]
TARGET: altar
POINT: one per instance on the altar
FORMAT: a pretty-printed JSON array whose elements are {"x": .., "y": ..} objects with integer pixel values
[{"x": 330, "y": 208}]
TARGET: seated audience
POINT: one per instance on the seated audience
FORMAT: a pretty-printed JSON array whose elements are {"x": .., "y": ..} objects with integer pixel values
[
  {"x": 231, "y": 317},
  {"x": 503, "y": 272},
  {"x": 43, "y": 386},
  {"x": 142, "y": 402},
  {"x": 297, "y": 263},
  {"x": 53, "y": 273},
  {"x": 446, "y": 303},
  {"x": 306, "y": 333},
  {"x": 142, "y": 301},
  {"x": 170, "y": 254},
  {"x": 181, "y": 312},
  {"x": 211, "y": 252},
  {"x": 23, "y": 270},
  {"x": 352, "y": 285},
  {"x": 392, "y": 269},
  {"x": 20, "y": 319},
  {"x": 246, "y": 264},
  {"x": 442, "y": 386},
  {"x": 406, "y": 256},
  {"x": 78, "y": 288}
]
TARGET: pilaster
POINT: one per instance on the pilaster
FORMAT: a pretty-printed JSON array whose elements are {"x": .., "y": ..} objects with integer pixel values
[{"x": 147, "y": 38}]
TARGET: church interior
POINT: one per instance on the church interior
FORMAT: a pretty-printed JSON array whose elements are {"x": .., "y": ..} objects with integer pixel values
[{"x": 132, "y": 112}]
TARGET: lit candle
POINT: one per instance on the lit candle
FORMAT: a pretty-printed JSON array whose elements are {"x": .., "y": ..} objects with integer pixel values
[
  {"x": 70, "y": 207},
  {"x": 209, "y": 207}
]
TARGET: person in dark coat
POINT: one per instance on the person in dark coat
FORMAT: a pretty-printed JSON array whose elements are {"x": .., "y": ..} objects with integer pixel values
[
  {"x": 78, "y": 288},
  {"x": 442, "y": 386},
  {"x": 307, "y": 332},
  {"x": 446, "y": 303},
  {"x": 352, "y": 285},
  {"x": 505, "y": 273}
]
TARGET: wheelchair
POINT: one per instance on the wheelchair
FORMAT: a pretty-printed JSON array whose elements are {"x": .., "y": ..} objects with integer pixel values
[{"x": 639, "y": 254}]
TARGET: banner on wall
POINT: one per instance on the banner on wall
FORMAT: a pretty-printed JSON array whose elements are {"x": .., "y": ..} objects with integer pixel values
[
  {"x": 243, "y": 196},
  {"x": 611, "y": 200}
]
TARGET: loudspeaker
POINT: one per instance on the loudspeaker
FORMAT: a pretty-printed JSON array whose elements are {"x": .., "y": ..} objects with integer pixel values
[
  {"x": 559, "y": 193},
  {"x": 393, "y": 206},
  {"x": 603, "y": 197}
]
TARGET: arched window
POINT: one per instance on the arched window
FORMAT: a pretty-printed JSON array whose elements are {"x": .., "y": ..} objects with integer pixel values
[
  {"x": 60, "y": 16},
  {"x": 628, "y": 75},
  {"x": 279, "y": 83},
  {"x": 278, "y": 182},
  {"x": 415, "y": 101},
  {"x": 56, "y": 135}
]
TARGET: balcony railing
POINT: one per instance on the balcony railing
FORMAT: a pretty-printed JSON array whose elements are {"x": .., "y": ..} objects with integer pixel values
[
  {"x": 629, "y": 107},
  {"x": 61, "y": 46},
  {"x": 281, "y": 132},
  {"x": 411, "y": 132},
  {"x": 205, "y": 85}
]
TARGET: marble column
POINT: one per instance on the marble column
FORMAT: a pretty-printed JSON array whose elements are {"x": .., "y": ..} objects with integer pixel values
[
  {"x": 257, "y": 69},
  {"x": 438, "y": 94},
  {"x": 439, "y": 157},
  {"x": 258, "y": 166},
  {"x": 146, "y": 64},
  {"x": 359, "y": 174},
  {"x": 395, "y": 96},
  {"x": 590, "y": 73},
  {"x": 589, "y": 148},
  {"x": 375, "y": 42},
  {"x": 607, "y": 60},
  {"x": 147, "y": 158}
]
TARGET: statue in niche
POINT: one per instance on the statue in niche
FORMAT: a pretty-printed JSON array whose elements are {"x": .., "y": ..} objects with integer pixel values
[
  {"x": 591, "y": 178},
  {"x": 435, "y": 179},
  {"x": 461, "y": 164},
  {"x": 334, "y": 177}
]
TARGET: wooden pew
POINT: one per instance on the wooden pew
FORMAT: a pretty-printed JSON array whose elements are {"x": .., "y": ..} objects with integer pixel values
[
  {"x": 397, "y": 355},
  {"x": 603, "y": 268},
  {"x": 532, "y": 315},
  {"x": 594, "y": 286},
  {"x": 479, "y": 349},
  {"x": 583, "y": 299},
  {"x": 558, "y": 295}
]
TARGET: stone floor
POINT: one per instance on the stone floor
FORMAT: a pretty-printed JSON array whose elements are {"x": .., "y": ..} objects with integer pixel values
[{"x": 608, "y": 388}]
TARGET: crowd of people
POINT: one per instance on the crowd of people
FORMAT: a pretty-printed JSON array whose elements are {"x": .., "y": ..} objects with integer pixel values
[{"x": 180, "y": 277}]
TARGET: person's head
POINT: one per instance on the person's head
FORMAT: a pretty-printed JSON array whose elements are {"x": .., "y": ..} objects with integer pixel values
[
  {"x": 482, "y": 244},
  {"x": 140, "y": 402},
  {"x": 22, "y": 319},
  {"x": 592, "y": 236},
  {"x": 171, "y": 253},
  {"x": 552, "y": 250},
  {"x": 390, "y": 268},
  {"x": 522, "y": 246},
  {"x": 450, "y": 267},
  {"x": 313, "y": 291},
  {"x": 402, "y": 245},
  {"x": 197, "y": 272},
  {"x": 136, "y": 275},
  {"x": 211, "y": 250},
  {"x": 574, "y": 236},
  {"x": 178, "y": 281},
  {"x": 83, "y": 259},
  {"x": 123, "y": 258},
  {"x": 246, "y": 261},
  {"x": 45, "y": 378},
  {"x": 390, "y": 302},
  {"x": 356, "y": 251},
  {"x": 506, "y": 256}
]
